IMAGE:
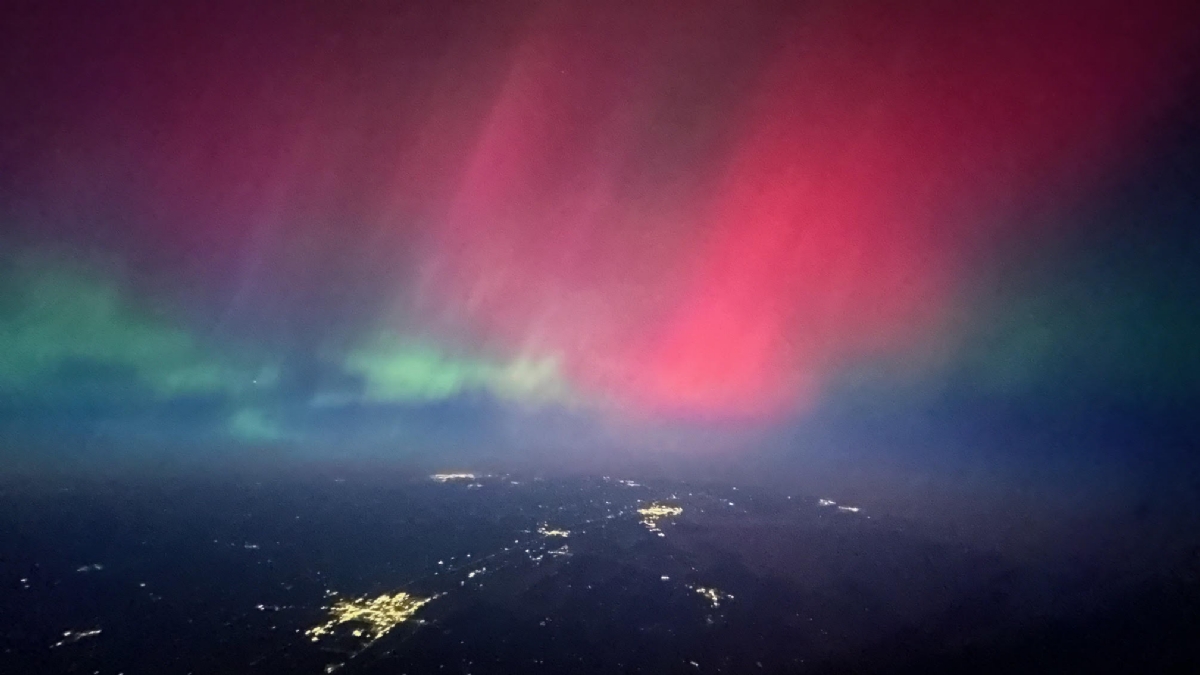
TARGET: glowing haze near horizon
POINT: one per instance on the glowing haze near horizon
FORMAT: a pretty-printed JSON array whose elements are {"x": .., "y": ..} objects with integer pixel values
[{"x": 280, "y": 225}]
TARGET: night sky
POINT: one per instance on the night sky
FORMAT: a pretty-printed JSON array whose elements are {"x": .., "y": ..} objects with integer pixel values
[{"x": 917, "y": 233}]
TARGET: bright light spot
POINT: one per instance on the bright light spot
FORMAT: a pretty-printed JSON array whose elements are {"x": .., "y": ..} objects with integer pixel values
[
  {"x": 75, "y": 636},
  {"x": 447, "y": 477},
  {"x": 374, "y": 616},
  {"x": 551, "y": 532},
  {"x": 656, "y": 512},
  {"x": 713, "y": 595}
]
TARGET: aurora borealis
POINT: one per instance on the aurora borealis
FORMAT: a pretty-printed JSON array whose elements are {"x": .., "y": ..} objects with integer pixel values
[{"x": 451, "y": 225}]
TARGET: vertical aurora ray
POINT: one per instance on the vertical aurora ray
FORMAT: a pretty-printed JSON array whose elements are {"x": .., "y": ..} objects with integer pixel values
[{"x": 862, "y": 170}]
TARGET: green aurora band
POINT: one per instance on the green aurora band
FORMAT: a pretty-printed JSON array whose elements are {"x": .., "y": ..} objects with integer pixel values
[{"x": 72, "y": 333}]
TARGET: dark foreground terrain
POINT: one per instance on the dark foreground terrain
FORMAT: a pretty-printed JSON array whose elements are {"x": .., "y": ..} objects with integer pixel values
[{"x": 522, "y": 575}]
